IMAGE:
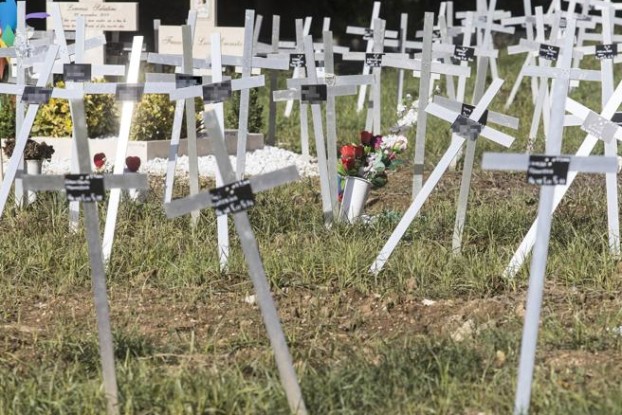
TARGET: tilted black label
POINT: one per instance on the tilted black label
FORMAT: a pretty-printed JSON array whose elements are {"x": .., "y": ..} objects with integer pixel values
[
  {"x": 130, "y": 92},
  {"x": 464, "y": 53},
  {"x": 313, "y": 94},
  {"x": 548, "y": 170},
  {"x": 297, "y": 60},
  {"x": 468, "y": 109},
  {"x": 36, "y": 95},
  {"x": 373, "y": 60},
  {"x": 185, "y": 81},
  {"x": 233, "y": 198},
  {"x": 218, "y": 92},
  {"x": 84, "y": 187},
  {"x": 549, "y": 52},
  {"x": 77, "y": 72},
  {"x": 606, "y": 51}
]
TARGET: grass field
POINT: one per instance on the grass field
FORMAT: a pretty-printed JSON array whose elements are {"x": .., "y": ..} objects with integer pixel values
[{"x": 186, "y": 341}]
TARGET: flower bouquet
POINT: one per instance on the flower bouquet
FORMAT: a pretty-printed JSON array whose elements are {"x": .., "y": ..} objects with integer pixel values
[{"x": 372, "y": 158}]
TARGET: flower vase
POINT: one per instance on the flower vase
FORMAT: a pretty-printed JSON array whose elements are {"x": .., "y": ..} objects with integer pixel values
[
  {"x": 355, "y": 196},
  {"x": 33, "y": 167}
]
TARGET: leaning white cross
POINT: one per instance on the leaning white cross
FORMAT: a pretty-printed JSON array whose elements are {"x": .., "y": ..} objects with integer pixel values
[
  {"x": 235, "y": 197},
  {"x": 468, "y": 128},
  {"x": 590, "y": 141},
  {"x": 88, "y": 188},
  {"x": 469, "y": 159},
  {"x": 548, "y": 171}
]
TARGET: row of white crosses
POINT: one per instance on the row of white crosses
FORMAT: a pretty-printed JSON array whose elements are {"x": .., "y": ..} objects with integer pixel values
[
  {"x": 81, "y": 186},
  {"x": 608, "y": 111},
  {"x": 72, "y": 71},
  {"x": 548, "y": 170}
]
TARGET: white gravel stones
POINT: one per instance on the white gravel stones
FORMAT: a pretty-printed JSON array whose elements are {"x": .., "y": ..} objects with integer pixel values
[{"x": 257, "y": 162}]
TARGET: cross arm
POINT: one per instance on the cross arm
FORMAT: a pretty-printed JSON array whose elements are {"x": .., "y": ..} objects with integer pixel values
[
  {"x": 593, "y": 123},
  {"x": 494, "y": 117},
  {"x": 236, "y": 85},
  {"x": 294, "y": 93},
  {"x": 333, "y": 81},
  {"x": 520, "y": 162},
  {"x": 258, "y": 184},
  {"x": 361, "y": 31},
  {"x": 113, "y": 181},
  {"x": 561, "y": 73}
]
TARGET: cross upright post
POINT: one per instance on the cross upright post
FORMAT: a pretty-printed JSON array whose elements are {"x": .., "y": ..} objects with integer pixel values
[{"x": 235, "y": 197}]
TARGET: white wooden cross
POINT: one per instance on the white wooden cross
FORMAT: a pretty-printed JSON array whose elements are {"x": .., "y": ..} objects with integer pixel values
[
  {"x": 368, "y": 36},
  {"x": 584, "y": 150},
  {"x": 313, "y": 91},
  {"x": 89, "y": 188},
  {"x": 548, "y": 170},
  {"x": 469, "y": 159},
  {"x": 215, "y": 92},
  {"x": 374, "y": 62},
  {"x": 336, "y": 85},
  {"x": 467, "y": 126},
  {"x": 562, "y": 71},
  {"x": 235, "y": 197},
  {"x": 79, "y": 63}
]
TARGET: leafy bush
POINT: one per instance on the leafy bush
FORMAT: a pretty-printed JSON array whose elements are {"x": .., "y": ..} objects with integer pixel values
[
  {"x": 7, "y": 117},
  {"x": 255, "y": 112},
  {"x": 153, "y": 118},
  {"x": 54, "y": 118}
]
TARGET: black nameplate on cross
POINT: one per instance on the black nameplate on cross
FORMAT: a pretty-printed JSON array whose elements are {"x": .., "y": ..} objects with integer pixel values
[
  {"x": 466, "y": 127},
  {"x": 548, "y": 170},
  {"x": 84, "y": 187},
  {"x": 549, "y": 52},
  {"x": 468, "y": 109},
  {"x": 77, "y": 72},
  {"x": 130, "y": 92},
  {"x": 606, "y": 51},
  {"x": 233, "y": 198},
  {"x": 218, "y": 92},
  {"x": 373, "y": 60},
  {"x": 617, "y": 118},
  {"x": 297, "y": 60},
  {"x": 464, "y": 53},
  {"x": 313, "y": 94},
  {"x": 35, "y": 95},
  {"x": 369, "y": 34},
  {"x": 185, "y": 81}
]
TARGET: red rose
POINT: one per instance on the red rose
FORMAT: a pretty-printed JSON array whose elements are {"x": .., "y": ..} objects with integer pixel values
[
  {"x": 99, "y": 160},
  {"x": 348, "y": 151},
  {"x": 348, "y": 163},
  {"x": 358, "y": 152},
  {"x": 132, "y": 163},
  {"x": 366, "y": 137}
]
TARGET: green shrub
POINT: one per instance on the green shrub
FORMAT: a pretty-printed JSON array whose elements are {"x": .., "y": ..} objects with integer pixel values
[
  {"x": 7, "y": 117},
  {"x": 255, "y": 112},
  {"x": 153, "y": 118},
  {"x": 54, "y": 118}
]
